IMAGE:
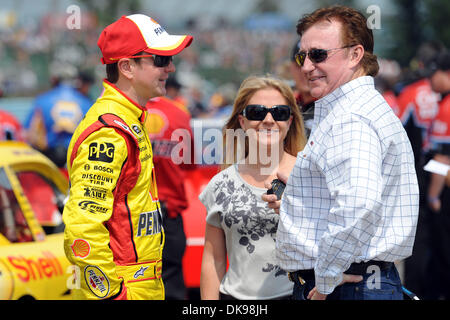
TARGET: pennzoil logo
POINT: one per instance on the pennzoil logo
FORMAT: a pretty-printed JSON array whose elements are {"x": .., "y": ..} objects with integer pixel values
[
  {"x": 101, "y": 152},
  {"x": 97, "y": 281},
  {"x": 80, "y": 248},
  {"x": 149, "y": 224}
]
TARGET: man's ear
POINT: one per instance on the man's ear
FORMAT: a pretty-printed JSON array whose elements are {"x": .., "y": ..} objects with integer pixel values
[
  {"x": 356, "y": 54},
  {"x": 125, "y": 68}
]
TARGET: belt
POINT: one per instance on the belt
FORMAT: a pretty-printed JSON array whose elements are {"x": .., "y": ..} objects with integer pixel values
[
  {"x": 361, "y": 268},
  {"x": 355, "y": 268},
  {"x": 140, "y": 271}
]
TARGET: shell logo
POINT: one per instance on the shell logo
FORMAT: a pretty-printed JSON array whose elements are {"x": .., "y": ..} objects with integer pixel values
[
  {"x": 156, "y": 123},
  {"x": 80, "y": 248}
]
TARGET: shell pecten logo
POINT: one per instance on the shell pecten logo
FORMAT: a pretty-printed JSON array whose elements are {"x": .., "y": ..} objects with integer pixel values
[
  {"x": 80, "y": 248},
  {"x": 156, "y": 123}
]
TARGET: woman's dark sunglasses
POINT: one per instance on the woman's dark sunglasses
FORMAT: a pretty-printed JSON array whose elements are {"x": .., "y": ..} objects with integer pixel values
[
  {"x": 259, "y": 112},
  {"x": 315, "y": 55},
  {"x": 158, "y": 61}
]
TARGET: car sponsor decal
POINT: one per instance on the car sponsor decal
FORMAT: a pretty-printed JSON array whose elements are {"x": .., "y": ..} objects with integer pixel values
[
  {"x": 80, "y": 248},
  {"x": 103, "y": 152},
  {"x": 97, "y": 281},
  {"x": 27, "y": 268}
]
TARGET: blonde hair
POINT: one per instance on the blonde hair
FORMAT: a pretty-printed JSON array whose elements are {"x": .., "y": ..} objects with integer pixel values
[{"x": 295, "y": 138}]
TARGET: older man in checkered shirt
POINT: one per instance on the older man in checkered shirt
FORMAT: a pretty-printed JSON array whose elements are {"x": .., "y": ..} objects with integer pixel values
[{"x": 350, "y": 207}]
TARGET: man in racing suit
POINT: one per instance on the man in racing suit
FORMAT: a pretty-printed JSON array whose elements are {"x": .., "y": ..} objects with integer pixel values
[{"x": 113, "y": 228}]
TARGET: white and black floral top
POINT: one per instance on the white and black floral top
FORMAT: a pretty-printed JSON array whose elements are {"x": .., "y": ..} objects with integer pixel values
[{"x": 250, "y": 230}]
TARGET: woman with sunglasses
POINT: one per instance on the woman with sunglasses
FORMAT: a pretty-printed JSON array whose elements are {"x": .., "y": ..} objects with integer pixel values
[{"x": 240, "y": 226}]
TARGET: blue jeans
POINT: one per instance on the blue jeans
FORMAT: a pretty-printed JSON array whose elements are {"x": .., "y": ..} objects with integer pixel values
[{"x": 385, "y": 287}]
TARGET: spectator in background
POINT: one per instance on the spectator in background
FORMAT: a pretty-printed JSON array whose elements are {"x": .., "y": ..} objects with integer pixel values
[
  {"x": 173, "y": 88},
  {"x": 166, "y": 119},
  {"x": 438, "y": 193},
  {"x": 196, "y": 106},
  {"x": 84, "y": 82},
  {"x": 10, "y": 127},
  {"x": 221, "y": 102},
  {"x": 55, "y": 115},
  {"x": 302, "y": 91},
  {"x": 417, "y": 107},
  {"x": 384, "y": 87},
  {"x": 385, "y": 82}
]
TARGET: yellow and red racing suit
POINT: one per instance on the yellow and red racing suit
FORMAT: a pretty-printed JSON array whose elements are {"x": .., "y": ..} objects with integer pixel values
[{"x": 113, "y": 231}]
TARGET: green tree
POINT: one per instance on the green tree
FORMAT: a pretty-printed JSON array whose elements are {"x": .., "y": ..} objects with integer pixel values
[
  {"x": 416, "y": 22},
  {"x": 109, "y": 11},
  {"x": 267, "y": 6},
  {"x": 436, "y": 25},
  {"x": 406, "y": 31}
]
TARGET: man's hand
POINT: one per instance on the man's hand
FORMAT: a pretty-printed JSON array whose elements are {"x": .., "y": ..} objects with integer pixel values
[
  {"x": 447, "y": 178},
  {"x": 316, "y": 295},
  {"x": 271, "y": 199}
]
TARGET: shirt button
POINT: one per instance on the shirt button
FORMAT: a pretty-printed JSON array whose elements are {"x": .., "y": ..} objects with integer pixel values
[{"x": 311, "y": 143}]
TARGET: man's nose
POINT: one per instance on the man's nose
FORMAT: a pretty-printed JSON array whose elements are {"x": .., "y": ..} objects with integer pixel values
[
  {"x": 170, "y": 67},
  {"x": 308, "y": 65}
]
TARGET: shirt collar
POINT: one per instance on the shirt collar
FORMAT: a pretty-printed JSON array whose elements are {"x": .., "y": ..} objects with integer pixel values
[
  {"x": 347, "y": 91},
  {"x": 112, "y": 92}
]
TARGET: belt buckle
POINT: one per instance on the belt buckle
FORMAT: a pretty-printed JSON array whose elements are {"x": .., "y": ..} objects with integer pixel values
[{"x": 300, "y": 279}]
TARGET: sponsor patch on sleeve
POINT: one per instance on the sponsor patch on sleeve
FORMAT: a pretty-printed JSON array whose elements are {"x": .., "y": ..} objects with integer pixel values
[
  {"x": 80, "y": 248},
  {"x": 97, "y": 281},
  {"x": 103, "y": 152}
]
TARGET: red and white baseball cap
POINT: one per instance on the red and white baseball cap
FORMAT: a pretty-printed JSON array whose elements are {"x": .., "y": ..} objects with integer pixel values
[{"x": 136, "y": 33}]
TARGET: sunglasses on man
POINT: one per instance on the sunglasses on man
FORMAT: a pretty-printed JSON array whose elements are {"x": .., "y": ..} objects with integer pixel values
[
  {"x": 258, "y": 112},
  {"x": 315, "y": 55},
  {"x": 158, "y": 61}
]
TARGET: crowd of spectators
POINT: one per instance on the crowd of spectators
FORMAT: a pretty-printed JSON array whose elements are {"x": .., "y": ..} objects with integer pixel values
[{"x": 223, "y": 55}]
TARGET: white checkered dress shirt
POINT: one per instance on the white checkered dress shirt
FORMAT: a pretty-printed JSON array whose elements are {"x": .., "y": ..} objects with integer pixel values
[{"x": 352, "y": 195}]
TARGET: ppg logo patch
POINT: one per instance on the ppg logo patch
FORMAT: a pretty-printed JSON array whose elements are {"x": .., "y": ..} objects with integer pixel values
[{"x": 101, "y": 152}]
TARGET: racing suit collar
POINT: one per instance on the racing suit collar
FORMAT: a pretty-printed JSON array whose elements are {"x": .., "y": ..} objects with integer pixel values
[{"x": 112, "y": 92}]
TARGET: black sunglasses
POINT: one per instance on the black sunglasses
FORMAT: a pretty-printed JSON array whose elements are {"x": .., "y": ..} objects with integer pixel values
[
  {"x": 158, "y": 61},
  {"x": 259, "y": 112},
  {"x": 315, "y": 55}
]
